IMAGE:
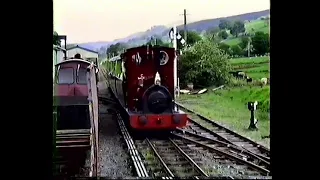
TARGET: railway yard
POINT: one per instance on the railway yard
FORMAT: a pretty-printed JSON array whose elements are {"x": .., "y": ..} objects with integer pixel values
[
  {"x": 203, "y": 149},
  {"x": 111, "y": 125},
  {"x": 184, "y": 100}
]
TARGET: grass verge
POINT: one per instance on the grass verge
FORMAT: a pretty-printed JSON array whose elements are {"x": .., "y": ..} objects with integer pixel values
[{"x": 229, "y": 108}]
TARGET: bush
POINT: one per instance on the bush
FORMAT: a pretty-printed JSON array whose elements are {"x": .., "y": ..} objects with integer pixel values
[{"x": 204, "y": 65}]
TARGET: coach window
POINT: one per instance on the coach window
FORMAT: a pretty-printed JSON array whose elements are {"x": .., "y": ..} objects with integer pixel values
[
  {"x": 82, "y": 76},
  {"x": 66, "y": 76}
]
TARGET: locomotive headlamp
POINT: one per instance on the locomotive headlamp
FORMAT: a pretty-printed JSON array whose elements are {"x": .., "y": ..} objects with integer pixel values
[
  {"x": 157, "y": 79},
  {"x": 176, "y": 119},
  {"x": 142, "y": 120}
]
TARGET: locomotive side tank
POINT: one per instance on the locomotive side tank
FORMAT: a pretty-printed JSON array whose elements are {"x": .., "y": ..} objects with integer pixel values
[{"x": 145, "y": 90}]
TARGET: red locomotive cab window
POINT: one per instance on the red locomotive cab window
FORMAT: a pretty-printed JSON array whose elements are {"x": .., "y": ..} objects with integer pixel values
[
  {"x": 82, "y": 76},
  {"x": 66, "y": 76}
]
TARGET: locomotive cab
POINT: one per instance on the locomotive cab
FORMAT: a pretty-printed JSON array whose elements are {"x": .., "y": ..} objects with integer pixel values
[{"x": 71, "y": 95}]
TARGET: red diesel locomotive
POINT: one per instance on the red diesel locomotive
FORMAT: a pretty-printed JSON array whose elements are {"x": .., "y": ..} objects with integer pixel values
[
  {"x": 75, "y": 101},
  {"x": 71, "y": 94},
  {"x": 142, "y": 80}
]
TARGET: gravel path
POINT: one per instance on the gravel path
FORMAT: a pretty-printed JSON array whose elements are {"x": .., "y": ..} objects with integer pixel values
[{"x": 114, "y": 161}]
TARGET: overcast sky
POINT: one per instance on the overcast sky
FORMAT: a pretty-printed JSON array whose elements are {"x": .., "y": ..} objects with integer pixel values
[{"x": 106, "y": 20}]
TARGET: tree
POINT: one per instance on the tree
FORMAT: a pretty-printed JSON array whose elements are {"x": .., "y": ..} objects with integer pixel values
[
  {"x": 236, "y": 50},
  {"x": 192, "y": 38},
  {"x": 261, "y": 43},
  {"x": 237, "y": 28},
  {"x": 159, "y": 42},
  {"x": 214, "y": 30},
  {"x": 244, "y": 42},
  {"x": 225, "y": 48},
  {"x": 56, "y": 40},
  {"x": 204, "y": 64},
  {"x": 223, "y": 34},
  {"x": 266, "y": 21},
  {"x": 225, "y": 24},
  {"x": 211, "y": 33},
  {"x": 246, "y": 45},
  {"x": 115, "y": 49}
]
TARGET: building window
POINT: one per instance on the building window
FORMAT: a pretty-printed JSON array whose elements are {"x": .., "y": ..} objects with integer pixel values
[
  {"x": 66, "y": 76},
  {"x": 82, "y": 76}
]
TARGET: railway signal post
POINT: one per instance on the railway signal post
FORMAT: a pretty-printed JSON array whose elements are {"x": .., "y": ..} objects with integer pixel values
[
  {"x": 174, "y": 36},
  {"x": 252, "y": 106}
]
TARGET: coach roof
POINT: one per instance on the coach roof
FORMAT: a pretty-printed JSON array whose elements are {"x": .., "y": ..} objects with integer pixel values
[{"x": 73, "y": 60}]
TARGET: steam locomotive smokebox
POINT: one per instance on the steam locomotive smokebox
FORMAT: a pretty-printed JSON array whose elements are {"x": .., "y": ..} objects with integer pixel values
[{"x": 157, "y": 99}]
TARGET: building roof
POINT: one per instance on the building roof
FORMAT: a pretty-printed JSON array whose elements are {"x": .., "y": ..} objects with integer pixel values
[
  {"x": 73, "y": 60},
  {"x": 86, "y": 49}
]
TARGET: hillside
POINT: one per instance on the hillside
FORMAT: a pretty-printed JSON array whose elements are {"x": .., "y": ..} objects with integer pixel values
[
  {"x": 161, "y": 31},
  {"x": 252, "y": 26},
  {"x": 212, "y": 23}
]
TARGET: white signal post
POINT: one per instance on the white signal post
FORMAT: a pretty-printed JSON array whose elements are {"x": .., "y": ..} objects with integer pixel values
[
  {"x": 175, "y": 70},
  {"x": 174, "y": 36}
]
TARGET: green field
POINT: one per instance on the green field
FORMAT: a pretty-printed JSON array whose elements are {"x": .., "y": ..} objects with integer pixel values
[
  {"x": 228, "y": 106},
  {"x": 252, "y": 60},
  {"x": 256, "y": 67},
  {"x": 253, "y": 26},
  {"x": 232, "y": 42},
  {"x": 257, "y": 25}
]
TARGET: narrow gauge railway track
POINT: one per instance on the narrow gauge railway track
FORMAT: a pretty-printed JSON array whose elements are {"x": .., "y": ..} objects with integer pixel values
[
  {"x": 165, "y": 158},
  {"x": 202, "y": 125},
  {"x": 226, "y": 150},
  {"x": 133, "y": 152}
]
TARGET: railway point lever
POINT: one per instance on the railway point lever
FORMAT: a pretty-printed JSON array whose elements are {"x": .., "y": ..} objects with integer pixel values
[{"x": 252, "y": 106}]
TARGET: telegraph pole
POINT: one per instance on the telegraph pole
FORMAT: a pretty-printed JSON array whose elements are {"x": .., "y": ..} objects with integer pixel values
[
  {"x": 185, "y": 23},
  {"x": 249, "y": 48}
]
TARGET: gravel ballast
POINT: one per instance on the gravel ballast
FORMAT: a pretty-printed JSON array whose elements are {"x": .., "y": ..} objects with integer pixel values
[{"x": 114, "y": 161}]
